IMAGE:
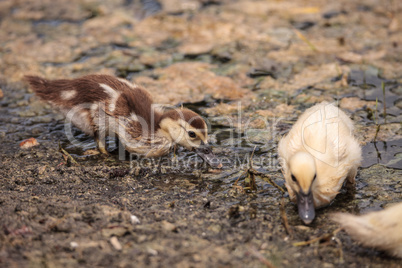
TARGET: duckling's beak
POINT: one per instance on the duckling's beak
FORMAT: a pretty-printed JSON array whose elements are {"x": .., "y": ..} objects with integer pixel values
[
  {"x": 205, "y": 152},
  {"x": 305, "y": 205}
]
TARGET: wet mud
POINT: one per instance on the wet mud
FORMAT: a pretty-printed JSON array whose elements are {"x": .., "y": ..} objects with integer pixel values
[{"x": 250, "y": 68}]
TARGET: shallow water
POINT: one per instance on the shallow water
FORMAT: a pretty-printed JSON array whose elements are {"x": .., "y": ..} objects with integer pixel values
[
  {"x": 372, "y": 86},
  {"x": 384, "y": 153}
]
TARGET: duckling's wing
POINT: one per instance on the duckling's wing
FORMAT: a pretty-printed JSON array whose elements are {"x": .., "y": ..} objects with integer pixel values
[
  {"x": 380, "y": 229},
  {"x": 338, "y": 156}
]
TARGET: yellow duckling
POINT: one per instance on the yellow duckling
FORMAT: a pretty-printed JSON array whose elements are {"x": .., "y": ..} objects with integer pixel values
[
  {"x": 102, "y": 105},
  {"x": 316, "y": 156},
  {"x": 380, "y": 229}
]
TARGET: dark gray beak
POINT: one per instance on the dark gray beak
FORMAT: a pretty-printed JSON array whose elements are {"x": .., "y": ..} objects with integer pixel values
[
  {"x": 305, "y": 205},
  {"x": 205, "y": 152}
]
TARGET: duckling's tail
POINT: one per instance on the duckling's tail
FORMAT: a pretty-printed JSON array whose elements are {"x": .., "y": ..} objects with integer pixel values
[
  {"x": 379, "y": 229},
  {"x": 38, "y": 84},
  {"x": 47, "y": 90}
]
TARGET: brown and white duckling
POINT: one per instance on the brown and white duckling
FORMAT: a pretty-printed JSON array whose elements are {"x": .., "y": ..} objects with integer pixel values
[
  {"x": 103, "y": 105},
  {"x": 316, "y": 156},
  {"x": 380, "y": 229}
]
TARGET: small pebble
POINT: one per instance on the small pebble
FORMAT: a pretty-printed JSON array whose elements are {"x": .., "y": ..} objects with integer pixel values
[
  {"x": 167, "y": 226},
  {"x": 91, "y": 152},
  {"x": 152, "y": 251},
  {"x": 115, "y": 243},
  {"x": 134, "y": 220},
  {"x": 41, "y": 170},
  {"x": 25, "y": 144}
]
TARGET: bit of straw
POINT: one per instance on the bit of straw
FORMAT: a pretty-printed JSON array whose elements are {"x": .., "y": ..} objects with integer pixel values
[
  {"x": 285, "y": 222},
  {"x": 305, "y": 40},
  {"x": 338, "y": 241},
  {"x": 250, "y": 179},
  {"x": 376, "y": 132},
  {"x": 64, "y": 152},
  {"x": 250, "y": 174},
  {"x": 241, "y": 175},
  {"x": 253, "y": 251},
  {"x": 266, "y": 178},
  {"x": 324, "y": 237},
  {"x": 376, "y": 120},
  {"x": 174, "y": 152},
  {"x": 250, "y": 182}
]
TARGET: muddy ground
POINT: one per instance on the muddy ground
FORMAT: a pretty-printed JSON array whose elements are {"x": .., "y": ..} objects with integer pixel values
[{"x": 250, "y": 68}]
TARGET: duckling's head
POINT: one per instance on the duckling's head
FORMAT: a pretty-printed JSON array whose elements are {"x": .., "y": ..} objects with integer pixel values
[
  {"x": 303, "y": 173},
  {"x": 185, "y": 127}
]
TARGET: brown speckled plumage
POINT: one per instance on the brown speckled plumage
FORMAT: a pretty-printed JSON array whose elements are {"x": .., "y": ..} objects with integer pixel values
[
  {"x": 132, "y": 99},
  {"x": 100, "y": 104}
]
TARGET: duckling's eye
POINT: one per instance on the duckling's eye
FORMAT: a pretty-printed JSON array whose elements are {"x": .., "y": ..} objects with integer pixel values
[
  {"x": 191, "y": 134},
  {"x": 294, "y": 178}
]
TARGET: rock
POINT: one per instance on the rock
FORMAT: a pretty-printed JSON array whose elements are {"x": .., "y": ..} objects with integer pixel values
[
  {"x": 177, "y": 6},
  {"x": 134, "y": 219},
  {"x": 398, "y": 104},
  {"x": 73, "y": 244},
  {"x": 41, "y": 170},
  {"x": 167, "y": 226},
  {"x": 25, "y": 144},
  {"x": 318, "y": 76},
  {"x": 109, "y": 27},
  {"x": 65, "y": 225},
  {"x": 114, "y": 231},
  {"x": 91, "y": 152},
  {"x": 26, "y": 113},
  {"x": 189, "y": 82},
  {"x": 215, "y": 228},
  {"x": 281, "y": 110},
  {"x": 115, "y": 243},
  {"x": 152, "y": 251},
  {"x": 223, "y": 109},
  {"x": 357, "y": 58},
  {"x": 327, "y": 265},
  {"x": 256, "y": 136},
  {"x": 354, "y": 103}
]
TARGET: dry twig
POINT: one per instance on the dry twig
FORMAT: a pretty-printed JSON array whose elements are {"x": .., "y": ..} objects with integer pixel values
[
  {"x": 338, "y": 241},
  {"x": 261, "y": 258},
  {"x": 384, "y": 103},
  {"x": 317, "y": 239},
  {"x": 285, "y": 222},
  {"x": 250, "y": 178},
  {"x": 304, "y": 39},
  {"x": 376, "y": 120},
  {"x": 266, "y": 178},
  {"x": 64, "y": 152}
]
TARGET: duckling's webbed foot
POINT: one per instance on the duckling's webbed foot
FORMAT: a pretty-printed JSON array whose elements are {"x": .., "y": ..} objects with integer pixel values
[
  {"x": 350, "y": 178},
  {"x": 101, "y": 143},
  {"x": 350, "y": 182},
  {"x": 158, "y": 168}
]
